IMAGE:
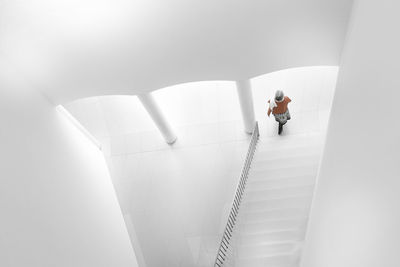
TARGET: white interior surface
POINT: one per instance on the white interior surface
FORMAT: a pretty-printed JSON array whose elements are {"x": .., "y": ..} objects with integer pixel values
[
  {"x": 356, "y": 216},
  {"x": 273, "y": 215},
  {"x": 81, "y": 48},
  {"x": 58, "y": 206},
  {"x": 311, "y": 90},
  {"x": 176, "y": 197}
]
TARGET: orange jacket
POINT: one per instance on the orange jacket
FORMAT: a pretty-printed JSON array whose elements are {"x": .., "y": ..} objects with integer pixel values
[{"x": 282, "y": 106}]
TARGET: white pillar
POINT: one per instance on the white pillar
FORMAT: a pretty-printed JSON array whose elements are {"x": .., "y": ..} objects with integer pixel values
[
  {"x": 246, "y": 103},
  {"x": 156, "y": 114}
]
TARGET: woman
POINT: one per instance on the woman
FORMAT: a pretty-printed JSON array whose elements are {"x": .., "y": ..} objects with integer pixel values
[{"x": 279, "y": 108}]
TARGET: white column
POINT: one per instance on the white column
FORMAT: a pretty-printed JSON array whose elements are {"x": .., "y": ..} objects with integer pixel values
[
  {"x": 156, "y": 114},
  {"x": 246, "y": 103}
]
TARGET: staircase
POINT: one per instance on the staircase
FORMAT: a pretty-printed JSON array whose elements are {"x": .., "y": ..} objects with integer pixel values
[{"x": 271, "y": 223}]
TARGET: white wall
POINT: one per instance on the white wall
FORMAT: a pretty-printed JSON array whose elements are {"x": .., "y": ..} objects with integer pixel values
[
  {"x": 57, "y": 203},
  {"x": 174, "y": 197},
  {"x": 356, "y": 217}
]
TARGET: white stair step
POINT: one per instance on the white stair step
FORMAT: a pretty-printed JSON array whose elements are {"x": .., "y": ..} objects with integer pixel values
[
  {"x": 283, "y": 165},
  {"x": 278, "y": 214},
  {"x": 284, "y": 162},
  {"x": 245, "y": 227},
  {"x": 279, "y": 182},
  {"x": 274, "y": 173},
  {"x": 292, "y": 142},
  {"x": 279, "y": 193},
  {"x": 288, "y": 202},
  {"x": 254, "y": 251},
  {"x": 298, "y": 136},
  {"x": 278, "y": 260},
  {"x": 271, "y": 236},
  {"x": 261, "y": 176},
  {"x": 276, "y": 153}
]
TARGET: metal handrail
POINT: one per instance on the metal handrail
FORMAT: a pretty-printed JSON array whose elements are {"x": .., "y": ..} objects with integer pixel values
[{"x": 228, "y": 233}]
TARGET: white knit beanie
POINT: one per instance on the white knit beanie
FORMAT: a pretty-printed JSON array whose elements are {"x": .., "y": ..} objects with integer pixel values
[{"x": 279, "y": 95}]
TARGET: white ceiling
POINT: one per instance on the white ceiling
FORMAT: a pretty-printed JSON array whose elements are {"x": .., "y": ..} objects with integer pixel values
[{"x": 78, "y": 48}]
